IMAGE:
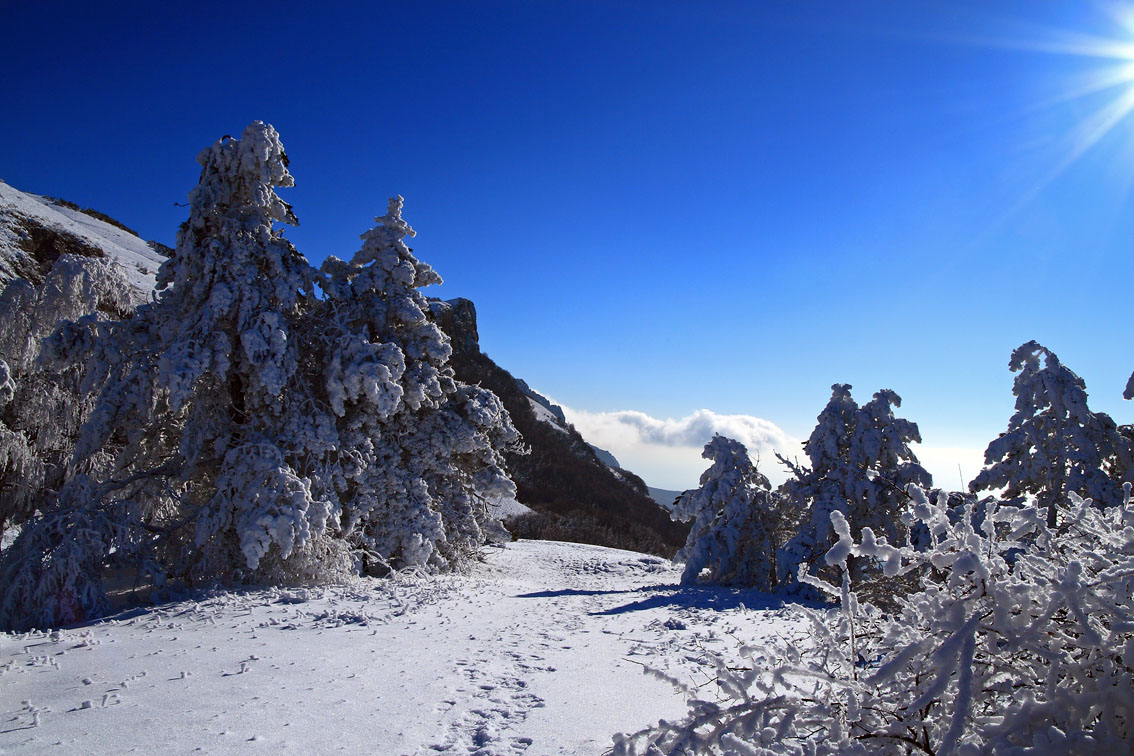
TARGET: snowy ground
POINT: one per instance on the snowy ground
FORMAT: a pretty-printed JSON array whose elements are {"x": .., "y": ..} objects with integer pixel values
[{"x": 539, "y": 651}]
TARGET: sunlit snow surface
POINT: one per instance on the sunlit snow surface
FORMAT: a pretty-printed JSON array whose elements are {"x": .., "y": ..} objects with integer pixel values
[
  {"x": 543, "y": 414},
  {"x": 138, "y": 260},
  {"x": 540, "y": 650}
]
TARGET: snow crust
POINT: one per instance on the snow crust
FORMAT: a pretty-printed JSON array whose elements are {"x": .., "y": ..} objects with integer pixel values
[
  {"x": 540, "y": 649},
  {"x": 138, "y": 260}
]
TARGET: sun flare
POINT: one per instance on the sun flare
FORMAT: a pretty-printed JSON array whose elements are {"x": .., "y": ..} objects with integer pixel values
[{"x": 1097, "y": 87}]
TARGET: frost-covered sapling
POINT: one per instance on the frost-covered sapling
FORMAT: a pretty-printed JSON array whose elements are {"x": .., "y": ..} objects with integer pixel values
[
  {"x": 1055, "y": 445},
  {"x": 42, "y": 405},
  {"x": 861, "y": 464},
  {"x": 734, "y": 518}
]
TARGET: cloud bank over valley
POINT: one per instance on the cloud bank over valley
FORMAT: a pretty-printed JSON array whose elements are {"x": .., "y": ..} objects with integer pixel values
[{"x": 666, "y": 453}]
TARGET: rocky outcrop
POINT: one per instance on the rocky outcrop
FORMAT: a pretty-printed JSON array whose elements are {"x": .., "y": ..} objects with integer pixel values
[
  {"x": 38, "y": 247},
  {"x": 575, "y": 496},
  {"x": 457, "y": 318}
]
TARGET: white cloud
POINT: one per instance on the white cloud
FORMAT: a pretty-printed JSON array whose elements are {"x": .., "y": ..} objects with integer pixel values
[
  {"x": 951, "y": 467},
  {"x": 667, "y": 453}
]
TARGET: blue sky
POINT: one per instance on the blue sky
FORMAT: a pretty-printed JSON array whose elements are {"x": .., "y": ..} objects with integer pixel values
[{"x": 660, "y": 207}]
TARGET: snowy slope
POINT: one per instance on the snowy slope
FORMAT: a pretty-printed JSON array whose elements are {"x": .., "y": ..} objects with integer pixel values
[
  {"x": 21, "y": 213},
  {"x": 539, "y": 651},
  {"x": 544, "y": 415}
]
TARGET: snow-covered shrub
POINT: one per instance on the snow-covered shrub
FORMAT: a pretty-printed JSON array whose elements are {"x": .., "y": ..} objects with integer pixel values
[
  {"x": 42, "y": 406},
  {"x": 1020, "y": 641},
  {"x": 734, "y": 517},
  {"x": 421, "y": 453},
  {"x": 1055, "y": 444},
  {"x": 259, "y": 433},
  {"x": 861, "y": 463},
  {"x": 51, "y": 575}
]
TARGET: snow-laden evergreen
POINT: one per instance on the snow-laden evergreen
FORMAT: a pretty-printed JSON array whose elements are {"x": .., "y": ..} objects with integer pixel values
[
  {"x": 861, "y": 463},
  {"x": 1019, "y": 642},
  {"x": 421, "y": 455},
  {"x": 733, "y": 514},
  {"x": 258, "y": 433},
  {"x": 1055, "y": 445},
  {"x": 42, "y": 406},
  {"x": 208, "y": 475}
]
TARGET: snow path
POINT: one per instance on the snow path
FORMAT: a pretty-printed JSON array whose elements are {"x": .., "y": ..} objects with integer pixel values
[{"x": 539, "y": 651}]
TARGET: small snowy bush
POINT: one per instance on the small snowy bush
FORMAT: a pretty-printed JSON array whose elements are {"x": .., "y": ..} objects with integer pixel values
[
  {"x": 734, "y": 515},
  {"x": 1020, "y": 641}
]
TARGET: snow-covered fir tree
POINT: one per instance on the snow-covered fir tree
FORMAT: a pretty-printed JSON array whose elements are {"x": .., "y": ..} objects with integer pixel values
[
  {"x": 256, "y": 437},
  {"x": 42, "y": 407},
  {"x": 1055, "y": 444},
  {"x": 200, "y": 396},
  {"x": 421, "y": 454},
  {"x": 733, "y": 514},
  {"x": 861, "y": 463}
]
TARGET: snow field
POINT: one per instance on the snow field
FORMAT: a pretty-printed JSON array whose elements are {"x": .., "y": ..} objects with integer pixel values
[{"x": 539, "y": 650}]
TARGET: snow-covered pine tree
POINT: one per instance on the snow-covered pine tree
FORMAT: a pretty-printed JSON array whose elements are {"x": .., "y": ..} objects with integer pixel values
[
  {"x": 258, "y": 432},
  {"x": 200, "y": 394},
  {"x": 861, "y": 463},
  {"x": 421, "y": 453},
  {"x": 1055, "y": 445},
  {"x": 42, "y": 407},
  {"x": 734, "y": 518}
]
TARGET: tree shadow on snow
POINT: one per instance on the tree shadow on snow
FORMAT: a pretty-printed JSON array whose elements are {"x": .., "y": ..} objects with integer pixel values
[{"x": 716, "y": 598}]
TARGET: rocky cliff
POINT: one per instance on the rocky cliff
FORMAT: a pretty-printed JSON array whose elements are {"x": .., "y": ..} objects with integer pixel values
[{"x": 574, "y": 495}]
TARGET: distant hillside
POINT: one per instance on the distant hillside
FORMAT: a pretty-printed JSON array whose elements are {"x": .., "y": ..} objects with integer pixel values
[
  {"x": 575, "y": 496},
  {"x": 664, "y": 497},
  {"x": 35, "y": 231}
]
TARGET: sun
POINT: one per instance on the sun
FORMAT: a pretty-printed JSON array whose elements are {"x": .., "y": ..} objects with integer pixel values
[{"x": 1099, "y": 84}]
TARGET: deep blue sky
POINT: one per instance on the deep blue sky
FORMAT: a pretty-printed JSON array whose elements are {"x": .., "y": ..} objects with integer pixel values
[{"x": 657, "y": 206}]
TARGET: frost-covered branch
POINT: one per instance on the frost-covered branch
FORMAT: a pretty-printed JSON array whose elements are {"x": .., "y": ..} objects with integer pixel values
[{"x": 1022, "y": 645}]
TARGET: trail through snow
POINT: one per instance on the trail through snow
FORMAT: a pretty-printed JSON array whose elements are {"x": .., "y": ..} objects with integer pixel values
[{"x": 539, "y": 651}]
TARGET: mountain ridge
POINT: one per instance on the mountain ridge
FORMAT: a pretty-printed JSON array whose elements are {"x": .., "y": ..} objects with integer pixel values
[
  {"x": 574, "y": 494},
  {"x": 36, "y": 230}
]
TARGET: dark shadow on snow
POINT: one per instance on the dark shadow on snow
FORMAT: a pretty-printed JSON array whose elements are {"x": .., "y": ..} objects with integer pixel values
[
  {"x": 580, "y": 592},
  {"x": 716, "y": 598}
]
